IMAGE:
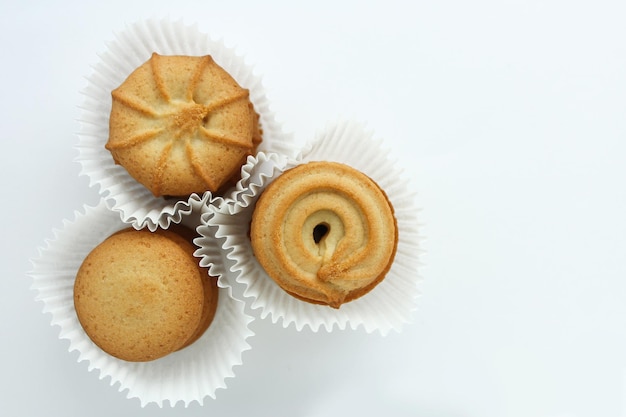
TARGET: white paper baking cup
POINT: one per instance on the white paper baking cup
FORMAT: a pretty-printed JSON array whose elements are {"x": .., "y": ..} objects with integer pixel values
[
  {"x": 258, "y": 171},
  {"x": 131, "y": 48},
  {"x": 390, "y": 305},
  {"x": 188, "y": 375}
]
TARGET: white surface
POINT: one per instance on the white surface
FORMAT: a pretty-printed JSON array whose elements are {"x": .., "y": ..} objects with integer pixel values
[{"x": 508, "y": 115}]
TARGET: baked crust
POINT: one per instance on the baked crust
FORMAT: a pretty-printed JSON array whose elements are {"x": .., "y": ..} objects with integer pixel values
[
  {"x": 325, "y": 232},
  {"x": 181, "y": 125},
  {"x": 141, "y": 295},
  {"x": 184, "y": 237}
]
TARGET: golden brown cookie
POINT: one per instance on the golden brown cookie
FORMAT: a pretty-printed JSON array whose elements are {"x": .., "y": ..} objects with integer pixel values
[
  {"x": 209, "y": 308},
  {"x": 181, "y": 125},
  {"x": 139, "y": 295},
  {"x": 325, "y": 232},
  {"x": 184, "y": 237}
]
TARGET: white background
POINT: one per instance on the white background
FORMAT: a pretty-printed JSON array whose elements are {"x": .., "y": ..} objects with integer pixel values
[{"x": 508, "y": 116}]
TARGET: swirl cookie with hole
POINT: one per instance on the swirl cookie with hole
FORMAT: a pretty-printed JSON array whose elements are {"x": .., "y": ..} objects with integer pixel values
[
  {"x": 181, "y": 125},
  {"x": 324, "y": 232}
]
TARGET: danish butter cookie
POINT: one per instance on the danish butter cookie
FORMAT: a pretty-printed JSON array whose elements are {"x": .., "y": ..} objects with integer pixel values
[
  {"x": 324, "y": 232},
  {"x": 139, "y": 295},
  {"x": 181, "y": 124}
]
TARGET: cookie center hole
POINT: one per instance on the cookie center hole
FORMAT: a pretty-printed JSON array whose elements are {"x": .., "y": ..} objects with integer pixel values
[{"x": 320, "y": 231}]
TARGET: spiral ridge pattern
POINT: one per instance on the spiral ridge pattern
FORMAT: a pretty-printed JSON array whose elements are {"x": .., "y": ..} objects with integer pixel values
[{"x": 324, "y": 232}]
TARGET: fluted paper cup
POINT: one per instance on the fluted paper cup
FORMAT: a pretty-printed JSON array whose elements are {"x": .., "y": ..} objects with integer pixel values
[
  {"x": 390, "y": 305},
  {"x": 131, "y": 48},
  {"x": 188, "y": 375},
  {"x": 256, "y": 174}
]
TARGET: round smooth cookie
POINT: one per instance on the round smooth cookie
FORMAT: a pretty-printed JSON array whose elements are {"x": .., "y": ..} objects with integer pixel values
[
  {"x": 139, "y": 295},
  {"x": 324, "y": 232},
  {"x": 183, "y": 236}
]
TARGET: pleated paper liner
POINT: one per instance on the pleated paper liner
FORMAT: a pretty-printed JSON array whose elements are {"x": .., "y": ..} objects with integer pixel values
[
  {"x": 188, "y": 375},
  {"x": 256, "y": 173},
  {"x": 390, "y": 305},
  {"x": 131, "y": 48}
]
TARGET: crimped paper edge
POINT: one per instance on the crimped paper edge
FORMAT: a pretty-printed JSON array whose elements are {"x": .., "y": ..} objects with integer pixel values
[
  {"x": 135, "y": 204},
  {"x": 405, "y": 265},
  {"x": 76, "y": 343}
]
